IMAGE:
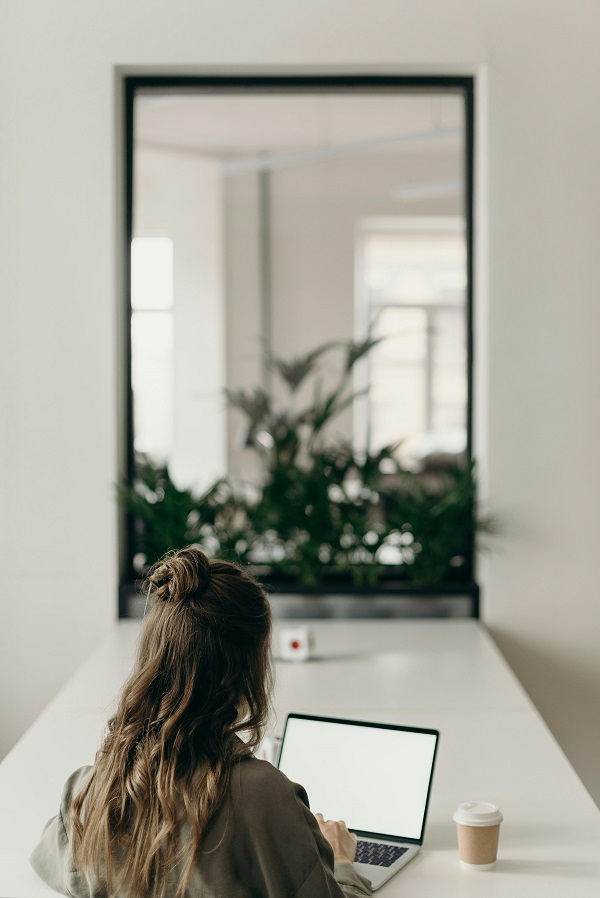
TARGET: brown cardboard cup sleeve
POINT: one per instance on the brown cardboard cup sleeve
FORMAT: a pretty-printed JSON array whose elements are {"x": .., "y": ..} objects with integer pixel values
[{"x": 478, "y": 830}]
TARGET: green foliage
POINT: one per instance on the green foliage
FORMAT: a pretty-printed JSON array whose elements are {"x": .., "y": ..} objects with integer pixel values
[
  {"x": 440, "y": 515},
  {"x": 321, "y": 507},
  {"x": 165, "y": 517}
]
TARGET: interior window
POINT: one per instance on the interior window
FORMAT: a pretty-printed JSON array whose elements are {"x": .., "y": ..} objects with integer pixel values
[
  {"x": 152, "y": 344},
  {"x": 411, "y": 297}
]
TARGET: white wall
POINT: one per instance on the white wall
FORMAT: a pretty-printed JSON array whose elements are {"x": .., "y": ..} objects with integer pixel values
[{"x": 58, "y": 313}]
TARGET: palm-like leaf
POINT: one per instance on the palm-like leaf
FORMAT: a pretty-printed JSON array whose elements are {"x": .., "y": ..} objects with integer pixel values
[
  {"x": 323, "y": 411},
  {"x": 297, "y": 370},
  {"x": 355, "y": 351},
  {"x": 256, "y": 405}
]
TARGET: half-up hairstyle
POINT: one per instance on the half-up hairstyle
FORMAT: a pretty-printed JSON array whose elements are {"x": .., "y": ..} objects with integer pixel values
[{"x": 202, "y": 675}]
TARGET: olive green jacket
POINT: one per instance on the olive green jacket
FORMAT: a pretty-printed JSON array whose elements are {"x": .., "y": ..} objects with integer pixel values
[{"x": 262, "y": 843}]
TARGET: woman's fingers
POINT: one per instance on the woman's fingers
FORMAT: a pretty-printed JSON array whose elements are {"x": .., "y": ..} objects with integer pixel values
[{"x": 341, "y": 840}]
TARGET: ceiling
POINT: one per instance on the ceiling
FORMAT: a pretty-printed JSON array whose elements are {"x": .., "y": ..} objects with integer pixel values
[{"x": 230, "y": 126}]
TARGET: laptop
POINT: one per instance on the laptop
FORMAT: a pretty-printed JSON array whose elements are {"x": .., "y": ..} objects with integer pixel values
[{"x": 375, "y": 777}]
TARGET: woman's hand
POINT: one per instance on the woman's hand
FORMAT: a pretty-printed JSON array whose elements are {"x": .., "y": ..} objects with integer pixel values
[{"x": 342, "y": 841}]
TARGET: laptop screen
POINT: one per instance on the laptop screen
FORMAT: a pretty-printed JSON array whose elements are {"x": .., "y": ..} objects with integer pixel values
[{"x": 375, "y": 777}]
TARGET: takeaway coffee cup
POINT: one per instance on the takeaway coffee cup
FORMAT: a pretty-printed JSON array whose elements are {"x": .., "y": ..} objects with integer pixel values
[{"x": 478, "y": 829}]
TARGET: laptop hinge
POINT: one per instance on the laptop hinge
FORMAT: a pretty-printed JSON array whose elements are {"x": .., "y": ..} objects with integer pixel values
[{"x": 367, "y": 835}]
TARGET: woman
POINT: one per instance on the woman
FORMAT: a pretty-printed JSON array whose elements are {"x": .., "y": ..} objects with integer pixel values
[{"x": 175, "y": 805}]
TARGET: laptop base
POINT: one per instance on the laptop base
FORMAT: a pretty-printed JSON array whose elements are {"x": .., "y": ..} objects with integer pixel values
[{"x": 379, "y": 875}]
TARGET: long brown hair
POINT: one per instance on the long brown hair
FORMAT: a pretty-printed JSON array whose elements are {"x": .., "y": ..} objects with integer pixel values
[{"x": 203, "y": 674}]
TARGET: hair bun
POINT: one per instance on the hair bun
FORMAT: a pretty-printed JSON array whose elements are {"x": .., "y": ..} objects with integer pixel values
[{"x": 176, "y": 577}]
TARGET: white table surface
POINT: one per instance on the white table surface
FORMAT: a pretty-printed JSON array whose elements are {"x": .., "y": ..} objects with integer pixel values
[{"x": 447, "y": 675}]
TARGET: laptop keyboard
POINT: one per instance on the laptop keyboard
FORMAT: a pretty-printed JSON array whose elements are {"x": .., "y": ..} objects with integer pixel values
[{"x": 378, "y": 855}]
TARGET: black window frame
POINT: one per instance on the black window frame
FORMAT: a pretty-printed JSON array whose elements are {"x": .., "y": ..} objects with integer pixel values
[{"x": 269, "y": 83}]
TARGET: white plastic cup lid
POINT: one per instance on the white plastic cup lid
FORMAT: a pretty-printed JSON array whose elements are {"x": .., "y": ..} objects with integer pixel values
[{"x": 478, "y": 813}]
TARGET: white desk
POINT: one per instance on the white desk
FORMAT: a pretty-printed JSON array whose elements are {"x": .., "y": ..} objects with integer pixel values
[{"x": 442, "y": 674}]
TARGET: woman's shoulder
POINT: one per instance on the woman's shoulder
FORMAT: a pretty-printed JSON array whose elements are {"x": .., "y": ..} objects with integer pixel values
[
  {"x": 256, "y": 773},
  {"x": 261, "y": 783},
  {"x": 73, "y": 785},
  {"x": 269, "y": 809}
]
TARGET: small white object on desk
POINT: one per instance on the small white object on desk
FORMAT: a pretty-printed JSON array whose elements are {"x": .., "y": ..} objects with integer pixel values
[{"x": 295, "y": 643}]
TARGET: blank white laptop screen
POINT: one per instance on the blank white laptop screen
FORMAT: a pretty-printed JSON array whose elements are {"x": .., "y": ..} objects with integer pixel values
[{"x": 375, "y": 779}]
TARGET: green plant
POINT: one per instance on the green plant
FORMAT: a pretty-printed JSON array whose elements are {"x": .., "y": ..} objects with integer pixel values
[
  {"x": 437, "y": 516},
  {"x": 320, "y": 507},
  {"x": 163, "y": 515}
]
